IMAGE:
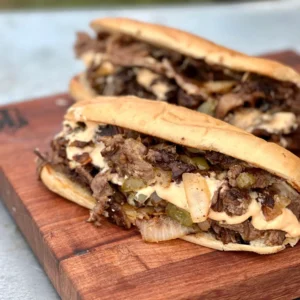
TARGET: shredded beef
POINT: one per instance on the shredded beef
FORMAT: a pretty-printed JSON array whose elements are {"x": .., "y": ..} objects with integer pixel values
[
  {"x": 83, "y": 158},
  {"x": 126, "y": 156},
  {"x": 233, "y": 201},
  {"x": 85, "y": 173},
  {"x": 283, "y": 189},
  {"x": 293, "y": 139},
  {"x": 226, "y": 235},
  {"x": 80, "y": 144},
  {"x": 263, "y": 179},
  {"x": 227, "y": 103},
  {"x": 264, "y": 134},
  {"x": 245, "y": 229},
  {"x": 245, "y": 232},
  {"x": 101, "y": 191},
  {"x": 115, "y": 211},
  {"x": 266, "y": 198},
  {"x": 169, "y": 161},
  {"x": 109, "y": 130},
  {"x": 189, "y": 101},
  {"x": 123, "y": 82},
  {"x": 294, "y": 206},
  {"x": 233, "y": 172},
  {"x": 112, "y": 144},
  {"x": 41, "y": 161},
  {"x": 222, "y": 160},
  {"x": 58, "y": 146},
  {"x": 85, "y": 43},
  {"x": 274, "y": 237}
]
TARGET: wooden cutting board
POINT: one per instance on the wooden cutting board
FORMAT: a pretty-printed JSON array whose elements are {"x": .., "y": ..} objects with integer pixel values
[{"x": 84, "y": 262}]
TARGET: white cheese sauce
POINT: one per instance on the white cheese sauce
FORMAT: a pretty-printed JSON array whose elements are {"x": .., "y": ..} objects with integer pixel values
[
  {"x": 175, "y": 194},
  {"x": 84, "y": 135},
  {"x": 250, "y": 119}
]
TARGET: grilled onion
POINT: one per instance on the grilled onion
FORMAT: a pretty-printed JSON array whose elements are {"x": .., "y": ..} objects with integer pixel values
[
  {"x": 198, "y": 196},
  {"x": 162, "y": 229},
  {"x": 219, "y": 86}
]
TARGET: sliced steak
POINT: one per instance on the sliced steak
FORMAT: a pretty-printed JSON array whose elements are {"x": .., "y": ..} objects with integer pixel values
[
  {"x": 274, "y": 237},
  {"x": 127, "y": 157},
  {"x": 169, "y": 161},
  {"x": 222, "y": 160},
  {"x": 233, "y": 201}
]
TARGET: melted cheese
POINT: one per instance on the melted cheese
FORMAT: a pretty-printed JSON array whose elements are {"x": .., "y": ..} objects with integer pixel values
[
  {"x": 116, "y": 179},
  {"x": 287, "y": 221},
  {"x": 175, "y": 194},
  {"x": 146, "y": 78},
  {"x": 97, "y": 159},
  {"x": 213, "y": 185},
  {"x": 85, "y": 136},
  {"x": 72, "y": 151},
  {"x": 253, "y": 209},
  {"x": 245, "y": 118},
  {"x": 250, "y": 119},
  {"x": 94, "y": 152},
  {"x": 281, "y": 122}
]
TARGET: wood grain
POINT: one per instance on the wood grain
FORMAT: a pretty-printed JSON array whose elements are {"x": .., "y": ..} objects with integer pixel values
[{"x": 85, "y": 262}]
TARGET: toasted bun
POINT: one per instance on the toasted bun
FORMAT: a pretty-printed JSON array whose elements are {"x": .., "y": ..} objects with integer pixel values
[
  {"x": 189, "y": 128},
  {"x": 196, "y": 47},
  {"x": 60, "y": 184},
  {"x": 79, "y": 88},
  {"x": 208, "y": 240}
]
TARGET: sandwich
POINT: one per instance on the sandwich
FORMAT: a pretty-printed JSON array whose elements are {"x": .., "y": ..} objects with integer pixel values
[
  {"x": 175, "y": 173},
  {"x": 127, "y": 57}
]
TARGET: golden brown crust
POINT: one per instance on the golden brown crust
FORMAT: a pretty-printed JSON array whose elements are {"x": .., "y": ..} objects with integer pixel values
[
  {"x": 197, "y": 47},
  {"x": 60, "y": 184},
  {"x": 79, "y": 88},
  {"x": 207, "y": 240},
  {"x": 189, "y": 128}
]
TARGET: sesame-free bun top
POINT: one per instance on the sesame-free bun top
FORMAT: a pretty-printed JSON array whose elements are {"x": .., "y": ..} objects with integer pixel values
[
  {"x": 196, "y": 47},
  {"x": 188, "y": 128}
]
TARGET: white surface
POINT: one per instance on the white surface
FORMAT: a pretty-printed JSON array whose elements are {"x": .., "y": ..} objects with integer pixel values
[{"x": 36, "y": 59}]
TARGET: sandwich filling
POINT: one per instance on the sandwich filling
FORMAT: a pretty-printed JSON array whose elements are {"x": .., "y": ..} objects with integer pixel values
[
  {"x": 169, "y": 191},
  {"x": 121, "y": 65}
]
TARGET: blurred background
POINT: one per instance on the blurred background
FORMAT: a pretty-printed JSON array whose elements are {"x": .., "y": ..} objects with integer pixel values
[
  {"x": 37, "y": 36},
  {"x": 16, "y": 4},
  {"x": 37, "y": 59}
]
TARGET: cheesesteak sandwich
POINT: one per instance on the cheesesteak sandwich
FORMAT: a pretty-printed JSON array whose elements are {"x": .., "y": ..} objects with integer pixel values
[
  {"x": 175, "y": 173},
  {"x": 128, "y": 57}
]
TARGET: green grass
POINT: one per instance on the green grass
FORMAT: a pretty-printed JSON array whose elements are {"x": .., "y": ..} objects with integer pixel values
[{"x": 15, "y": 4}]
